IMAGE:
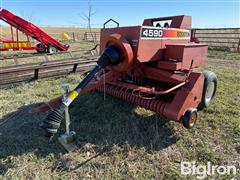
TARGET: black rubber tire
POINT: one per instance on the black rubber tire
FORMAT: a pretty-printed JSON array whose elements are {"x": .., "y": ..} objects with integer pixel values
[
  {"x": 210, "y": 78},
  {"x": 52, "y": 49},
  {"x": 190, "y": 118},
  {"x": 41, "y": 48}
]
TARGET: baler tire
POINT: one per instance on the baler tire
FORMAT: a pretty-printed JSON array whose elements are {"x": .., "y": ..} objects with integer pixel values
[
  {"x": 189, "y": 118},
  {"x": 52, "y": 49},
  {"x": 210, "y": 81},
  {"x": 41, "y": 48}
]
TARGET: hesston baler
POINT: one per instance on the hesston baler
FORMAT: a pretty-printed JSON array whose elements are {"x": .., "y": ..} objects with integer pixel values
[
  {"x": 150, "y": 66},
  {"x": 46, "y": 42}
]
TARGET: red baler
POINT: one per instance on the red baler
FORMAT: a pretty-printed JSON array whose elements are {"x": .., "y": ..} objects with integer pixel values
[{"x": 151, "y": 66}]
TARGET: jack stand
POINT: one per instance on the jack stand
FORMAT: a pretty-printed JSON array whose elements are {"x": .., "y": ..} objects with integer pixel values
[{"x": 67, "y": 140}]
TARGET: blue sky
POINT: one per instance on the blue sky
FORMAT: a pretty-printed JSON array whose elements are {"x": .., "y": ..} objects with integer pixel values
[{"x": 205, "y": 13}]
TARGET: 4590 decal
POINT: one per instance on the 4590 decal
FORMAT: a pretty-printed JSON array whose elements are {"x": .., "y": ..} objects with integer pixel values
[{"x": 151, "y": 33}]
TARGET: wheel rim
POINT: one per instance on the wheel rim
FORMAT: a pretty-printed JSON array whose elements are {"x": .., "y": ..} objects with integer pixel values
[
  {"x": 193, "y": 119},
  {"x": 210, "y": 92},
  {"x": 52, "y": 50}
]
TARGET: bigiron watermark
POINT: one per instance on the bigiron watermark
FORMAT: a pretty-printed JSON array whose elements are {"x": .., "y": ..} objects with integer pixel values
[{"x": 202, "y": 171}]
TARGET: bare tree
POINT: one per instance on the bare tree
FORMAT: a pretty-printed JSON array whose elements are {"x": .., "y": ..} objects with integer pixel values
[
  {"x": 88, "y": 17},
  {"x": 30, "y": 17}
]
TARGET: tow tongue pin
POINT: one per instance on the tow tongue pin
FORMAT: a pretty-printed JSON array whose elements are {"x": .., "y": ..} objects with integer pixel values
[{"x": 110, "y": 57}]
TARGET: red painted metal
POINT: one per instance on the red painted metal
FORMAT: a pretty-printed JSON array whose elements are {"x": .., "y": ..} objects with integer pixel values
[
  {"x": 126, "y": 51},
  {"x": 181, "y": 22},
  {"x": 185, "y": 54},
  {"x": 30, "y": 30},
  {"x": 155, "y": 72},
  {"x": 108, "y": 77}
]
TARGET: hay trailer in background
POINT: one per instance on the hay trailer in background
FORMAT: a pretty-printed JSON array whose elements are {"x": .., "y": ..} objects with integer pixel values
[{"x": 46, "y": 42}]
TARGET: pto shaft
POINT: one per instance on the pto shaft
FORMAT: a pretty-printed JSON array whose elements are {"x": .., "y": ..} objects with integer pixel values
[{"x": 110, "y": 57}]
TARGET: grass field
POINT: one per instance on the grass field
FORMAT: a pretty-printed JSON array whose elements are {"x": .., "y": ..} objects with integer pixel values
[{"x": 118, "y": 140}]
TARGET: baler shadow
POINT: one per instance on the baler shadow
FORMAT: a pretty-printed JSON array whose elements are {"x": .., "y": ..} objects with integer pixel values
[
  {"x": 116, "y": 122},
  {"x": 20, "y": 133},
  {"x": 98, "y": 122}
]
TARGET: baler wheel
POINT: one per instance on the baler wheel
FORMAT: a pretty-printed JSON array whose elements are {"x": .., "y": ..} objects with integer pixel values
[
  {"x": 52, "y": 49},
  {"x": 209, "y": 89},
  {"x": 189, "y": 118}
]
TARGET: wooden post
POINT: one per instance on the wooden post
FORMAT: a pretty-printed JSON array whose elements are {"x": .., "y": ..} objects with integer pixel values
[
  {"x": 238, "y": 48},
  {"x": 36, "y": 72},
  {"x": 17, "y": 38},
  {"x": 12, "y": 33},
  {"x": 73, "y": 34},
  {"x": 75, "y": 68}
]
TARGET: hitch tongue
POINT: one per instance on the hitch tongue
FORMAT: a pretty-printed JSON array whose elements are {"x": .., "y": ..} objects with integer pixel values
[{"x": 110, "y": 57}]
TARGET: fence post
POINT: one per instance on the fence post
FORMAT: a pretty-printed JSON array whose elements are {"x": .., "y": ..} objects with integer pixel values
[
  {"x": 238, "y": 48},
  {"x": 73, "y": 34},
  {"x": 75, "y": 68},
  {"x": 36, "y": 72}
]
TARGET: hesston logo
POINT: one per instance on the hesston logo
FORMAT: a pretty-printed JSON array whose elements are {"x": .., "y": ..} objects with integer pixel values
[{"x": 183, "y": 34}]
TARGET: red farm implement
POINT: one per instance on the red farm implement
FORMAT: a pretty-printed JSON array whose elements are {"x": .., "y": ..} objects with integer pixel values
[
  {"x": 151, "y": 66},
  {"x": 45, "y": 42}
]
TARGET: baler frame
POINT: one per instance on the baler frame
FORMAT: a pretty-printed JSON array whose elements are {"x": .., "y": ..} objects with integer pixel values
[{"x": 153, "y": 70}]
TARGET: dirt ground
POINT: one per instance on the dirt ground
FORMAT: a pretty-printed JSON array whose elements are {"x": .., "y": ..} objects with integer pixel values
[{"x": 117, "y": 140}]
